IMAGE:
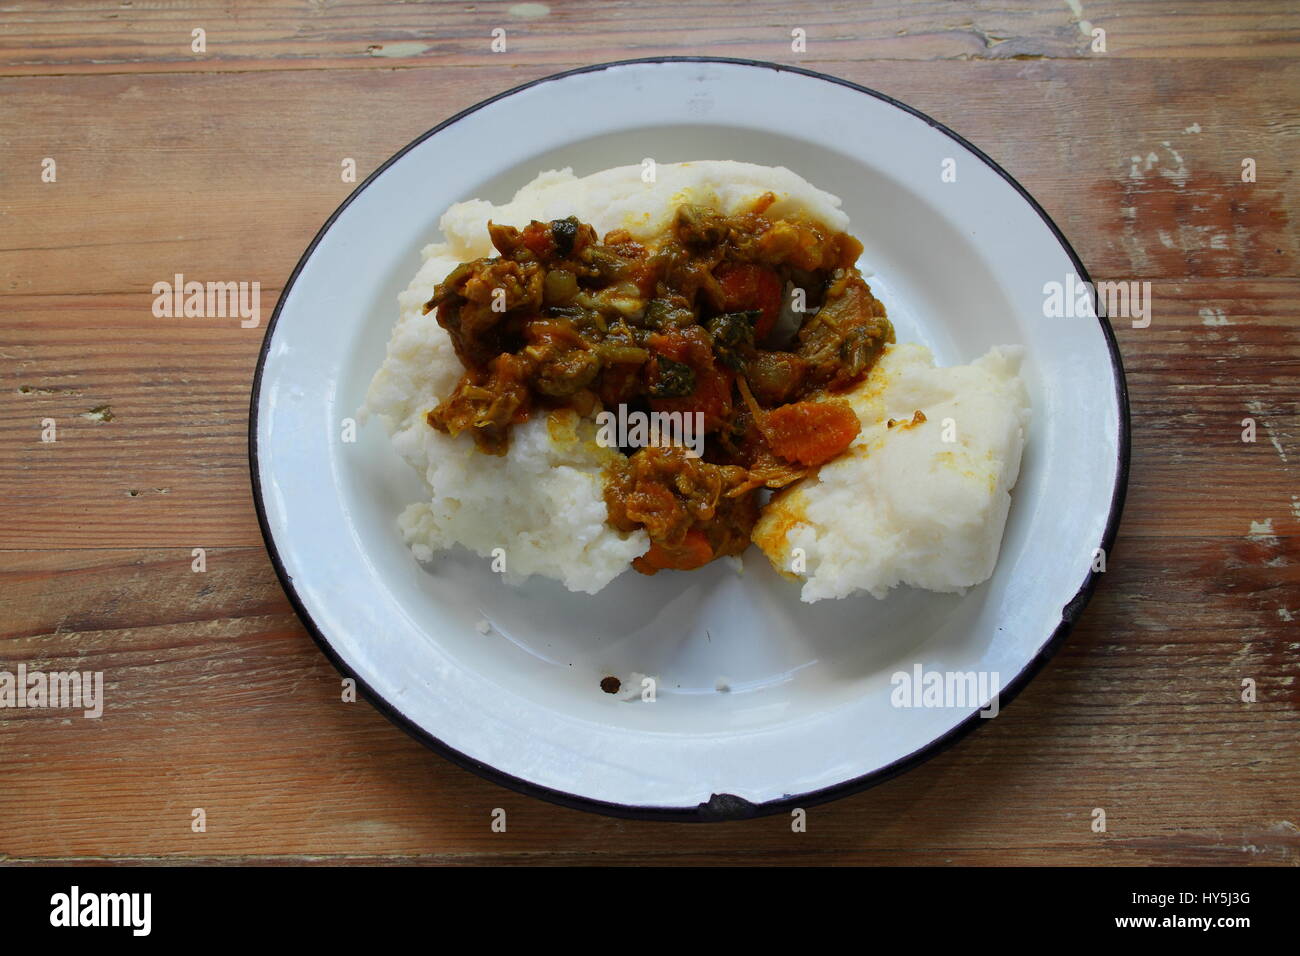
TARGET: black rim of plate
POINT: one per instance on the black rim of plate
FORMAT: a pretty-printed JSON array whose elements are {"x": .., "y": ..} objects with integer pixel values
[{"x": 720, "y": 807}]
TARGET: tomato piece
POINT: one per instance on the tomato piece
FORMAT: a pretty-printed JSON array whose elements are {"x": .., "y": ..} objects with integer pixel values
[
  {"x": 676, "y": 344},
  {"x": 747, "y": 286},
  {"x": 694, "y": 552},
  {"x": 618, "y": 384},
  {"x": 811, "y": 433},
  {"x": 537, "y": 238},
  {"x": 712, "y": 394},
  {"x": 712, "y": 397}
]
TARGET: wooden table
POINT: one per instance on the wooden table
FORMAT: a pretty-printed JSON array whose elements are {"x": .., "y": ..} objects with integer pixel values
[{"x": 223, "y": 164}]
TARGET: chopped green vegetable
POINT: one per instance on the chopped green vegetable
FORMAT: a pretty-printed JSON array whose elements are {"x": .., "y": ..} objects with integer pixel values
[
  {"x": 665, "y": 314},
  {"x": 560, "y": 287},
  {"x": 616, "y": 354},
  {"x": 674, "y": 379},
  {"x": 733, "y": 335},
  {"x": 563, "y": 233}
]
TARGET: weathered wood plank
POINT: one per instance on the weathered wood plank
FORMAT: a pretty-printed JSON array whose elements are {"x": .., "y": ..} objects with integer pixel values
[
  {"x": 151, "y": 427},
  {"x": 215, "y": 698},
  {"x": 40, "y": 38},
  {"x": 227, "y": 177},
  {"x": 107, "y": 36}
]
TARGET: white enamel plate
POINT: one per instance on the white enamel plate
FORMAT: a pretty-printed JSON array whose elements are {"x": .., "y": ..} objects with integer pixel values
[{"x": 763, "y": 703}]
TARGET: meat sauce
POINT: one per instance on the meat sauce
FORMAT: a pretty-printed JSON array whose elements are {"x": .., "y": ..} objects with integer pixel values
[{"x": 695, "y": 321}]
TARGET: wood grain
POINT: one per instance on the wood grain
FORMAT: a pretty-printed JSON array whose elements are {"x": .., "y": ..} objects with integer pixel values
[
  {"x": 229, "y": 176},
  {"x": 216, "y": 699},
  {"x": 223, "y": 166},
  {"x": 102, "y": 37}
]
